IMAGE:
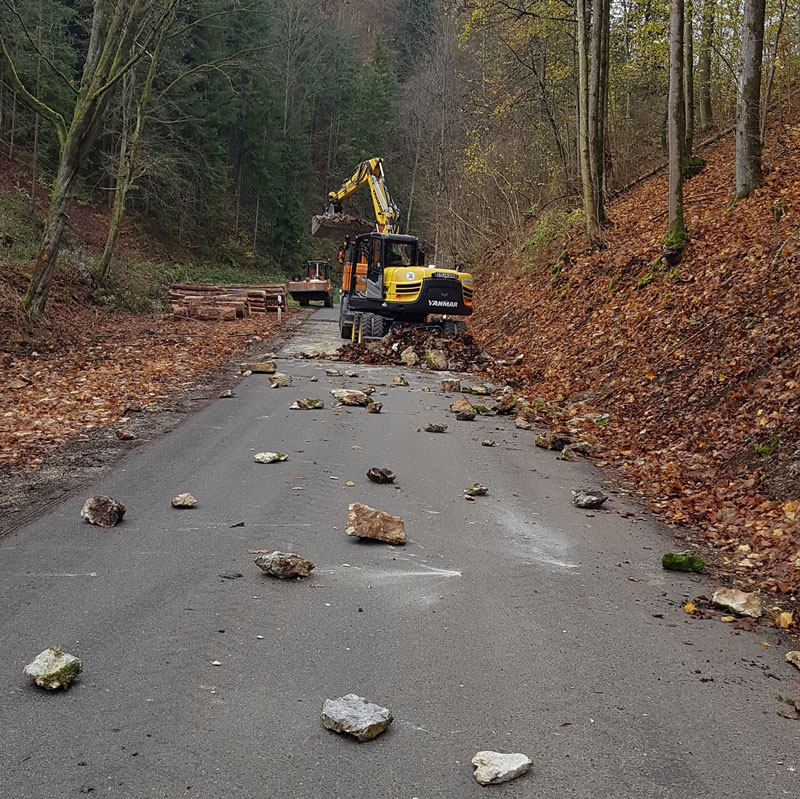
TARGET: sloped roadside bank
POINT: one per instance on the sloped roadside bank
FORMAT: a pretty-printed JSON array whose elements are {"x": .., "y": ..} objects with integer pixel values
[
  {"x": 151, "y": 373},
  {"x": 697, "y": 367}
]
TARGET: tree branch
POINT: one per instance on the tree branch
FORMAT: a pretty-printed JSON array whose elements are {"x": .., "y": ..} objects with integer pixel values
[
  {"x": 37, "y": 105},
  {"x": 36, "y": 47}
]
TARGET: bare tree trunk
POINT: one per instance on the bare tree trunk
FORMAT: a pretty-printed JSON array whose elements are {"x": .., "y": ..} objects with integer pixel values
[
  {"x": 35, "y": 155},
  {"x": 748, "y": 108},
  {"x": 597, "y": 100},
  {"x": 593, "y": 230},
  {"x": 688, "y": 78},
  {"x": 13, "y": 125},
  {"x": 704, "y": 66},
  {"x": 676, "y": 237},
  {"x": 773, "y": 64}
]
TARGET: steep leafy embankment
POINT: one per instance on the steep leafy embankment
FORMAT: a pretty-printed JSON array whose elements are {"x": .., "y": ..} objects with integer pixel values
[{"x": 699, "y": 366}]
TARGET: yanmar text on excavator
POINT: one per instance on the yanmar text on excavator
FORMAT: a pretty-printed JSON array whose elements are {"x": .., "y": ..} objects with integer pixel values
[{"x": 386, "y": 283}]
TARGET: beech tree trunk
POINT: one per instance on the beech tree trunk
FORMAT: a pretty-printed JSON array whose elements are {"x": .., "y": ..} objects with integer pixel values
[
  {"x": 748, "y": 107},
  {"x": 598, "y": 93},
  {"x": 676, "y": 238},
  {"x": 704, "y": 66},
  {"x": 593, "y": 228},
  {"x": 688, "y": 78}
]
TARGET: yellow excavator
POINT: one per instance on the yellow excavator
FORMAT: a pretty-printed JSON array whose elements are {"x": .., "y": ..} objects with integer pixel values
[{"x": 386, "y": 283}]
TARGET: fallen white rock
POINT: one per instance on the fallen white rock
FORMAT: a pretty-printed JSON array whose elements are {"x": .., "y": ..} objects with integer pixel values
[
  {"x": 741, "y": 602},
  {"x": 269, "y": 457},
  {"x": 350, "y": 396},
  {"x": 356, "y": 716},
  {"x": 184, "y": 501},
  {"x": 793, "y": 658},
  {"x": 53, "y": 668},
  {"x": 492, "y": 768}
]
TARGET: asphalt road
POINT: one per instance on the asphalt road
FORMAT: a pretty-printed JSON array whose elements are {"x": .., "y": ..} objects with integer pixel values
[{"x": 516, "y": 622}]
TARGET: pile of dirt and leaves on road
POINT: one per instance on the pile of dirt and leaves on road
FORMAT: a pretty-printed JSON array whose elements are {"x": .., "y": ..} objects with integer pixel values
[
  {"x": 92, "y": 368},
  {"x": 687, "y": 376},
  {"x": 425, "y": 348}
]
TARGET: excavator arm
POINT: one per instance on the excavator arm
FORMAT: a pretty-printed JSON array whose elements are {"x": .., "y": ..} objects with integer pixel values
[{"x": 334, "y": 224}]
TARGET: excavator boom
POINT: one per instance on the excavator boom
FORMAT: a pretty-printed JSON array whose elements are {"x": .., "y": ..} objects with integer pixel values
[{"x": 333, "y": 224}]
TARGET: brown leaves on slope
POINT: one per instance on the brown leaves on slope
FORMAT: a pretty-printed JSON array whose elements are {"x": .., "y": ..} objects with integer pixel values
[
  {"x": 699, "y": 367},
  {"x": 109, "y": 363}
]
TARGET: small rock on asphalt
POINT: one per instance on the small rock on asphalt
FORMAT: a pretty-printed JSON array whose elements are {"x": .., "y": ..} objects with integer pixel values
[
  {"x": 435, "y": 428},
  {"x": 487, "y": 443},
  {"x": 280, "y": 380},
  {"x": 227, "y": 394},
  {"x": 450, "y": 385},
  {"x": 306, "y": 405},
  {"x": 263, "y": 367},
  {"x": 184, "y": 501},
  {"x": 314, "y": 379},
  {"x": 355, "y": 716},
  {"x": 378, "y": 475},
  {"x": 351, "y": 374},
  {"x": 400, "y": 381},
  {"x": 588, "y": 498},
  {"x": 505, "y": 404},
  {"x": 551, "y": 440},
  {"x": 123, "y": 434},
  {"x": 466, "y": 416},
  {"x": 476, "y": 490},
  {"x": 284, "y": 564},
  {"x": 103, "y": 511},
  {"x": 522, "y": 424},
  {"x": 741, "y": 602},
  {"x": 53, "y": 668},
  {"x": 333, "y": 373},
  {"x": 350, "y": 396},
  {"x": 793, "y": 658},
  {"x": 366, "y": 522},
  {"x": 492, "y": 768},
  {"x": 375, "y": 407},
  {"x": 462, "y": 405},
  {"x": 270, "y": 457}
]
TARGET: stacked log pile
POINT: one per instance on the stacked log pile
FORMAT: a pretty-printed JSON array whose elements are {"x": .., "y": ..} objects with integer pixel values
[{"x": 228, "y": 301}]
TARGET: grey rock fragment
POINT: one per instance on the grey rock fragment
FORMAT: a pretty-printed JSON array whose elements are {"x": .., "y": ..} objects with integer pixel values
[
  {"x": 489, "y": 442},
  {"x": 284, "y": 565},
  {"x": 492, "y": 768},
  {"x": 124, "y": 434},
  {"x": 741, "y": 602},
  {"x": 102, "y": 511},
  {"x": 522, "y": 424},
  {"x": 53, "y": 668},
  {"x": 476, "y": 490},
  {"x": 280, "y": 380},
  {"x": 356, "y": 716},
  {"x": 270, "y": 457},
  {"x": 350, "y": 396},
  {"x": 432, "y": 427},
  {"x": 793, "y": 658},
  {"x": 466, "y": 416},
  {"x": 375, "y": 407},
  {"x": 399, "y": 381},
  {"x": 306, "y": 405},
  {"x": 450, "y": 385},
  {"x": 227, "y": 394},
  {"x": 588, "y": 498}
]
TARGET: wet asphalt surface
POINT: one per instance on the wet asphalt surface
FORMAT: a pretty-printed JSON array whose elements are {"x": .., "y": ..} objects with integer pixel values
[{"x": 516, "y": 622}]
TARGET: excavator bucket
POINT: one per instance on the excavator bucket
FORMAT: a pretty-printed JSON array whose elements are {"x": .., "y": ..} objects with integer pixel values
[{"x": 339, "y": 226}]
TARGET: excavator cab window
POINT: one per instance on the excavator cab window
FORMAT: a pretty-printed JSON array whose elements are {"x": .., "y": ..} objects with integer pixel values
[
  {"x": 375, "y": 270},
  {"x": 400, "y": 253}
]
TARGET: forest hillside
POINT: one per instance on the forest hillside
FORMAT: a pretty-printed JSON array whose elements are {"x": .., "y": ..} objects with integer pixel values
[{"x": 687, "y": 376}]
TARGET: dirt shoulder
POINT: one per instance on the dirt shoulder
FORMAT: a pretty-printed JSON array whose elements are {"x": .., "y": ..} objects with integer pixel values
[{"x": 60, "y": 408}]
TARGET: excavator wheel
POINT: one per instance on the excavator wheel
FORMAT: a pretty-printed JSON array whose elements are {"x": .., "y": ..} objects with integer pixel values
[
  {"x": 375, "y": 326},
  {"x": 451, "y": 328}
]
